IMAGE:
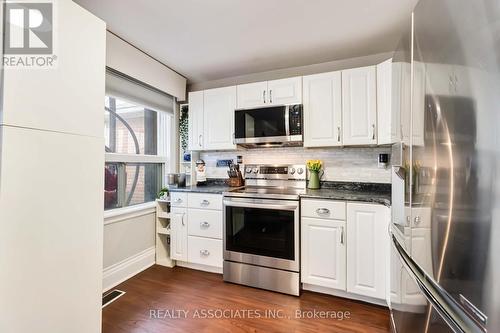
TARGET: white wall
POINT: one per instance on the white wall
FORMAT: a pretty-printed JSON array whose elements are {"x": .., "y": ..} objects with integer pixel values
[
  {"x": 340, "y": 164},
  {"x": 129, "y": 246}
]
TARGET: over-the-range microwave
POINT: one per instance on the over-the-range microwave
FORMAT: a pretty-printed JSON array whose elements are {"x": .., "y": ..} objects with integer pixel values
[{"x": 269, "y": 126}]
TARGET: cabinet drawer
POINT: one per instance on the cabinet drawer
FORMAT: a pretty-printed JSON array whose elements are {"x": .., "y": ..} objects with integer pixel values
[
  {"x": 178, "y": 199},
  {"x": 205, "y": 251},
  {"x": 205, "y": 223},
  {"x": 205, "y": 201},
  {"x": 325, "y": 209}
]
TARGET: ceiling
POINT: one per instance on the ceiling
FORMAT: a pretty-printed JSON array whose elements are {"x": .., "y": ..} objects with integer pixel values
[{"x": 207, "y": 40}]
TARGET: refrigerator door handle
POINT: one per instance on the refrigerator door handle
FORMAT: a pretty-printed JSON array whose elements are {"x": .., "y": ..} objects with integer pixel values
[{"x": 442, "y": 302}]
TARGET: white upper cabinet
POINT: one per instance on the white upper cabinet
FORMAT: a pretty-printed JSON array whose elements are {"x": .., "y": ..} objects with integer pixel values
[
  {"x": 388, "y": 102},
  {"x": 218, "y": 118},
  {"x": 359, "y": 106},
  {"x": 285, "y": 91},
  {"x": 252, "y": 95},
  {"x": 195, "y": 120},
  {"x": 367, "y": 226},
  {"x": 277, "y": 92},
  {"x": 322, "y": 109},
  {"x": 323, "y": 247}
]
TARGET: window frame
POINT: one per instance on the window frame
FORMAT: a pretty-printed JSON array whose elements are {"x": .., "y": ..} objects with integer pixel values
[{"x": 165, "y": 154}]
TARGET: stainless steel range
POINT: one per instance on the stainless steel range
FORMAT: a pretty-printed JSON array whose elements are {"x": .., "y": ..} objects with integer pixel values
[{"x": 261, "y": 228}]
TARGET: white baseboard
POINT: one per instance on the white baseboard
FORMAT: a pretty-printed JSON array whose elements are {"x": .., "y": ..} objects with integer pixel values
[
  {"x": 344, "y": 294},
  {"x": 125, "y": 269},
  {"x": 199, "y": 267}
]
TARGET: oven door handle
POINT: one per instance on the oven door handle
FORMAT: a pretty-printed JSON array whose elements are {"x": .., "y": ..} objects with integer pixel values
[{"x": 274, "y": 206}]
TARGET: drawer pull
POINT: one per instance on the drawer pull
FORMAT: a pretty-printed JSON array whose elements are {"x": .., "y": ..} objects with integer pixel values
[
  {"x": 204, "y": 224},
  {"x": 205, "y": 203},
  {"x": 178, "y": 200},
  {"x": 323, "y": 211},
  {"x": 204, "y": 253}
]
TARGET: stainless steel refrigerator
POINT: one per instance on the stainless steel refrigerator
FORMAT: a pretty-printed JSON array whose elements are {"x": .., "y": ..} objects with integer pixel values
[{"x": 445, "y": 231}]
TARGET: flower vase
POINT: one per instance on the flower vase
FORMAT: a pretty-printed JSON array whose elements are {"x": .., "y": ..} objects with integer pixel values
[{"x": 313, "y": 180}]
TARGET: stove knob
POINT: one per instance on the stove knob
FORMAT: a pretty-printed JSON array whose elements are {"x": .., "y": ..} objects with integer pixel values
[
  {"x": 248, "y": 170},
  {"x": 255, "y": 170},
  {"x": 300, "y": 171},
  {"x": 292, "y": 171}
]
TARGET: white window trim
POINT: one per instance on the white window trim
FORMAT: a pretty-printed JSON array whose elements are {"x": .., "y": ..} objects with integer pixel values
[
  {"x": 135, "y": 158},
  {"x": 126, "y": 213}
]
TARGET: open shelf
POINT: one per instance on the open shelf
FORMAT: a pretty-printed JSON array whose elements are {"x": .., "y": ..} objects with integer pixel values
[
  {"x": 162, "y": 215},
  {"x": 163, "y": 231}
]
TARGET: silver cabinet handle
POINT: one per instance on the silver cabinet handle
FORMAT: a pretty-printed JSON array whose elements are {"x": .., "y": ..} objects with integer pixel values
[
  {"x": 234, "y": 139},
  {"x": 205, "y": 202},
  {"x": 270, "y": 96},
  {"x": 338, "y": 134},
  {"x": 205, "y": 252},
  {"x": 182, "y": 220},
  {"x": 342, "y": 235},
  {"x": 373, "y": 136},
  {"x": 199, "y": 140},
  {"x": 264, "y": 96},
  {"x": 322, "y": 211},
  {"x": 204, "y": 224},
  {"x": 178, "y": 200},
  {"x": 417, "y": 220}
]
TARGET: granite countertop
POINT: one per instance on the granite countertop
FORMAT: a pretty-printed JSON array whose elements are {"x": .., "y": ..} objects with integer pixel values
[
  {"x": 363, "y": 192},
  {"x": 214, "y": 186},
  {"x": 347, "y": 191}
]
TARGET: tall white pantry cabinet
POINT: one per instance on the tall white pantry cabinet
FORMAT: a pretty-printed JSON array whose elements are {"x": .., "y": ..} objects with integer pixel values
[{"x": 51, "y": 183}]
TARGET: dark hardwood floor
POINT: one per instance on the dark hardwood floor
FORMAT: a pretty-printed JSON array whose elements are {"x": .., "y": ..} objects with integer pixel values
[{"x": 154, "y": 297}]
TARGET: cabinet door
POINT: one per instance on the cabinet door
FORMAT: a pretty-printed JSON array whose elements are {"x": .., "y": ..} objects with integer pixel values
[
  {"x": 195, "y": 120},
  {"x": 367, "y": 238},
  {"x": 218, "y": 118},
  {"x": 322, "y": 110},
  {"x": 359, "y": 106},
  {"x": 178, "y": 234},
  {"x": 285, "y": 91},
  {"x": 388, "y": 102},
  {"x": 323, "y": 253},
  {"x": 418, "y": 104},
  {"x": 252, "y": 95}
]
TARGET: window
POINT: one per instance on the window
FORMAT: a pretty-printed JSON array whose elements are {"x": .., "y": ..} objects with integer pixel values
[{"x": 137, "y": 137}]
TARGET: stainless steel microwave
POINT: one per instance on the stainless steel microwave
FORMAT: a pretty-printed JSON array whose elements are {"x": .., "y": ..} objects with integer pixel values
[{"x": 270, "y": 126}]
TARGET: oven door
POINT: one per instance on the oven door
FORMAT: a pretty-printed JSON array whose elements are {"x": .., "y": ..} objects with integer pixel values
[{"x": 262, "y": 232}]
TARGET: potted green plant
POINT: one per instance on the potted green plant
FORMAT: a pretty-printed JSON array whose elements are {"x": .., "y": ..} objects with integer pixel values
[{"x": 314, "y": 167}]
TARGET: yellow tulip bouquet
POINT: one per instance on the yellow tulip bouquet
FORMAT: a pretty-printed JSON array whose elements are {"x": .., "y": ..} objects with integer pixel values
[{"x": 314, "y": 167}]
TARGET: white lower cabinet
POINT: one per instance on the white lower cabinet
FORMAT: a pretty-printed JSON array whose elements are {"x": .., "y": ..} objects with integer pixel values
[
  {"x": 323, "y": 253},
  {"x": 205, "y": 251},
  {"x": 196, "y": 234},
  {"x": 178, "y": 234},
  {"x": 344, "y": 250},
  {"x": 367, "y": 237}
]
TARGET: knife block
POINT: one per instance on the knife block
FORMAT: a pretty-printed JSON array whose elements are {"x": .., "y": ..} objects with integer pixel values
[{"x": 236, "y": 181}]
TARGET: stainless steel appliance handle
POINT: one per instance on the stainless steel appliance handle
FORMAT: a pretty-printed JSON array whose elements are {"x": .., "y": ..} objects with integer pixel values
[
  {"x": 442, "y": 302},
  {"x": 287, "y": 120},
  {"x": 273, "y": 206}
]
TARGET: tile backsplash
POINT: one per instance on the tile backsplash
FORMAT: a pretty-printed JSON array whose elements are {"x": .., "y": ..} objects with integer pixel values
[{"x": 340, "y": 164}]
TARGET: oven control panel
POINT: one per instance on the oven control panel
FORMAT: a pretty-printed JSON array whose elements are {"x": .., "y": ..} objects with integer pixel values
[{"x": 266, "y": 171}]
